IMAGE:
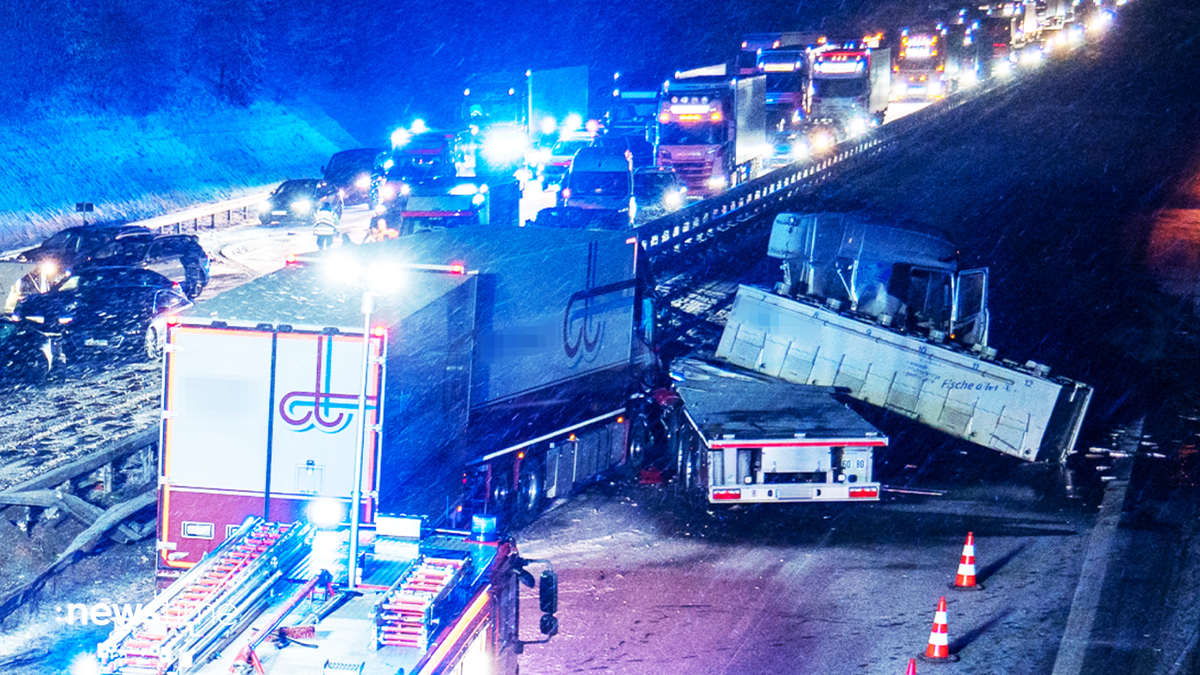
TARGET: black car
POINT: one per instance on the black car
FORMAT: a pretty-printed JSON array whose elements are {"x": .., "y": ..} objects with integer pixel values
[
  {"x": 349, "y": 172},
  {"x": 296, "y": 201},
  {"x": 178, "y": 257},
  {"x": 66, "y": 249},
  {"x": 658, "y": 191},
  {"x": 579, "y": 218},
  {"x": 639, "y": 151},
  {"x": 100, "y": 312}
]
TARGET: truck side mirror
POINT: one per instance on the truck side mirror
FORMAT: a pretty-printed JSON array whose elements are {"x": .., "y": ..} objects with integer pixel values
[{"x": 548, "y": 592}]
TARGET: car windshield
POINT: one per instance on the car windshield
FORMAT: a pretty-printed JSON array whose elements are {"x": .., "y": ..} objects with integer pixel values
[
  {"x": 568, "y": 148},
  {"x": 652, "y": 184},
  {"x": 350, "y": 161},
  {"x": 602, "y": 183},
  {"x": 297, "y": 188},
  {"x": 102, "y": 279}
]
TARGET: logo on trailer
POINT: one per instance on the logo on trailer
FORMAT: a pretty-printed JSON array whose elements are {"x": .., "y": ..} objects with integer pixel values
[{"x": 321, "y": 409}]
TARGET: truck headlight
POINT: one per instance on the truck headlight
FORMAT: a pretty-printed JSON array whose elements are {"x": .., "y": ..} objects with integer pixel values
[
  {"x": 387, "y": 192},
  {"x": 478, "y": 199},
  {"x": 464, "y": 189},
  {"x": 717, "y": 182}
]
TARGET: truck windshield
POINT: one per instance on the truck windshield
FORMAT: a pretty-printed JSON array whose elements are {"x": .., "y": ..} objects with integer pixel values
[
  {"x": 830, "y": 88},
  {"x": 599, "y": 183},
  {"x": 785, "y": 82},
  {"x": 674, "y": 133}
]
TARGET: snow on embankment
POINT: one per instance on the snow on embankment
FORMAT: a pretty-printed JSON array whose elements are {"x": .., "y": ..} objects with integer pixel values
[{"x": 137, "y": 167}]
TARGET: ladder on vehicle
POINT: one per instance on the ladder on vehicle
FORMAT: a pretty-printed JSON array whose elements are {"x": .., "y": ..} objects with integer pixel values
[
  {"x": 189, "y": 617},
  {"x": 406, "y": 615}
]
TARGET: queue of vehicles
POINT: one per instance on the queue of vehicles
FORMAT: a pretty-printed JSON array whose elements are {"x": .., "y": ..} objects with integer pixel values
[{"x": 493, "y": 374}]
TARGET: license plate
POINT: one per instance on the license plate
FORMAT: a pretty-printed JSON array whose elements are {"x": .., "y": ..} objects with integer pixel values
[{"x": 95, "y": 342}]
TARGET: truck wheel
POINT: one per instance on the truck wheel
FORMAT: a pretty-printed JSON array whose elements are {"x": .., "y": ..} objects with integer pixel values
[
  {"x": 151, "y": 347},
  {"x": 530, "y": 490},
  {"x": 639, "y": 445},
  {"x": 501, "y": 495}
]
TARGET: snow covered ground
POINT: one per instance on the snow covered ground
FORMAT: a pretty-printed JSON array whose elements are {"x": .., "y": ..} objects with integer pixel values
[{"x": 137, "y": 167}]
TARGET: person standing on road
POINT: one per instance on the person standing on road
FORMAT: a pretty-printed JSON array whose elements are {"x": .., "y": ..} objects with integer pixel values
[{"x": 325, "y": 226}]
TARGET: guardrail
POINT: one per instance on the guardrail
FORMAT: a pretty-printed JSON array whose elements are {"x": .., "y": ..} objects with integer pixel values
[
  {"x": 204, "y": 217},
  {"x": 679, "y": 231}
]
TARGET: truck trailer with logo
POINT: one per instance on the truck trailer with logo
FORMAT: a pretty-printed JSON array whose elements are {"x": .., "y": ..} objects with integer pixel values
[{"x": 500, "y": 363}]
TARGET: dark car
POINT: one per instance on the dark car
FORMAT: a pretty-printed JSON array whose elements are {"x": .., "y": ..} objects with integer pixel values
[
  {"x": 658, "y": 191},
  {"x": 178, "y": 257},
  {"x": 579, "y": 218},
  {"x": 640, "y": 152},
  {"x": 63, "y": 251},
  {"x": 102, "y": 311},
  {"x": 349, "y": 172},
  {"x": 296, "y": 201}
]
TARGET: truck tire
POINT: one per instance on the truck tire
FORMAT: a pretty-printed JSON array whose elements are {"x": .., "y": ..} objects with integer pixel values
[
  {"x": 531, "y": 490},
  {"x": 500, "y": 496},
  {"x": 638, "y": 450}
]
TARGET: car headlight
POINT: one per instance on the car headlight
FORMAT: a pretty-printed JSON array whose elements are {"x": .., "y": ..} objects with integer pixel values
[
  {"x": 63, "y": 320},
  {"x": 478, "y": 199},
  {"x": 265, "y": 206},
  {"x": 363, "y": 183},
  {"x": 387, "y": 192},
  {"x": 35, "y": 318},
  {"x": 464, "y": 189},
  {"x": 302, "y": 206}
]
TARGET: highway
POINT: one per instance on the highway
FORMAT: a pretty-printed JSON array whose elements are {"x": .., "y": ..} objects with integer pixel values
[{"x": 651, "y": 583}]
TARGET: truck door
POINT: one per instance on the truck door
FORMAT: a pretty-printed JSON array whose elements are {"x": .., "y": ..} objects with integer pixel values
[
  {"x": 970, "y": 323},
  {"x": 930, "y": 300}
]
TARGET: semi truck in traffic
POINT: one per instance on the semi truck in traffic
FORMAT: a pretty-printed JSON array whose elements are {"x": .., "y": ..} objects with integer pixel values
[
  {"x": 849, "y": 87},
  {"x": 712, "y": 129},
  {"x": 919, "y": 72}
]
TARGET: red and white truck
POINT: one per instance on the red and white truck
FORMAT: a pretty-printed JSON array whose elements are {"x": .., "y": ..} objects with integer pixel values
[{"x": 712, "y": 129}]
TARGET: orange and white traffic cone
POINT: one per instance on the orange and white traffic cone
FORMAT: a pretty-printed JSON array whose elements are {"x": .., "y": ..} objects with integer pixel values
[
  {"x": 938, "y": 650},
  {"x": 965, "y": 579},
  {"x": 912, "y": 667}
]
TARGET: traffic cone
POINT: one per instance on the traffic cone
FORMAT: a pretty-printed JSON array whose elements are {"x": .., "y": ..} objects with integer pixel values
[
  {"x": 965, "y": 579},
  {"x": 938, "y": 650},
  {"x": 912, "y": 667}
]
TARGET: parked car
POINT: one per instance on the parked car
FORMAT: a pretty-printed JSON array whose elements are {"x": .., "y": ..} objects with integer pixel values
[
  {"x": 101, "y": 312},
  {"x": 58, "y": 255},
  {"x": 178, "y": 257},
  {"x": 295, "y": 202},
  {"x": 658, "y": 191},
  {"x": 349, "y": 172}
]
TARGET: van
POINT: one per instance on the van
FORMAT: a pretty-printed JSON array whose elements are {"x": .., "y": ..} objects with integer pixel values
[{"x": 600, "y": 178}]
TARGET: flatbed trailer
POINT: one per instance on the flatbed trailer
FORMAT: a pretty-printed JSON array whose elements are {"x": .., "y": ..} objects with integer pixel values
[{"x": 749, "y": 438}]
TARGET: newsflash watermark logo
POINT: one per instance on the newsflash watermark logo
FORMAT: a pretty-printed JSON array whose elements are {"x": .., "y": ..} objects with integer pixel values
[
  {"x": 97, "y": 614},
  {"x": 111, "y": 613}
]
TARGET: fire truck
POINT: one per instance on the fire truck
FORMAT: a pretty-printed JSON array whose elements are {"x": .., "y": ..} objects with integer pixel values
[{"x": 271, "y": 599}]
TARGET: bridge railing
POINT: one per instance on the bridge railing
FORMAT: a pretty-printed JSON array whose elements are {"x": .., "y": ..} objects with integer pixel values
[{"x": 678, "y": 231}]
